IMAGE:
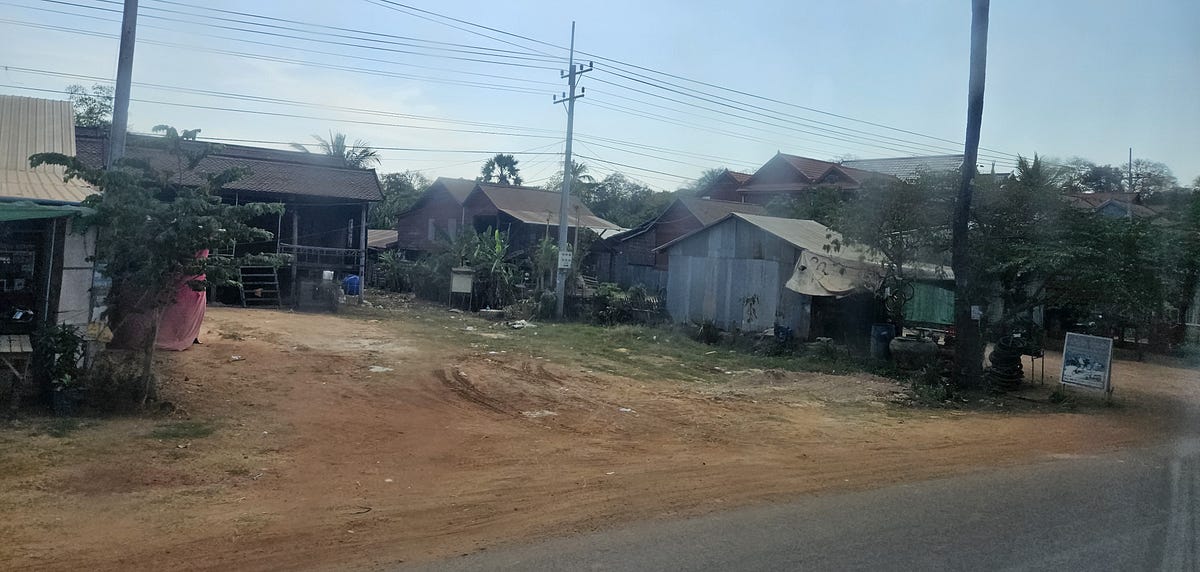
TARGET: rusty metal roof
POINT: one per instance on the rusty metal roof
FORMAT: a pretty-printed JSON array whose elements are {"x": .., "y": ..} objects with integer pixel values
[
  {"x": 381, "y": 238},
  {"x": 271, "y": 170},
  {"x": 535, "y": 206},
  {"x": 28, "y": 126}
]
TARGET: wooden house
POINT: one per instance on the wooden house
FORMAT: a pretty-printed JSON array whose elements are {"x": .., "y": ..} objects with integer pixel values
[
  {"x": 324, "y": 224},
  {"x": 629, "y": 257},
  {"x": 525, "y": 214}
]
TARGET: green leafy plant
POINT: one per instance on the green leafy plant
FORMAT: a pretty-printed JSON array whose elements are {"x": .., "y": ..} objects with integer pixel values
[
  {"x": 152, "y": 225},
  {"x": 58, "y": 353}
]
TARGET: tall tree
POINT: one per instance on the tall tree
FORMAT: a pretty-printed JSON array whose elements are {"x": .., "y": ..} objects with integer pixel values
[
  {"x": 1151, "y": 177},
  {"x": 400, "y": 191},
  {"x": 968, "y": 355},
  {"x": 581, "y": 183},
  {"x": 501, "y": 169},
  {"x": 703, "y": 182},
  {"x": 625, "y": 202},
  {"x": 1083, "y": 176},
  {"x": 360, "y": 155},
  {"x": 93, "y": 108}
]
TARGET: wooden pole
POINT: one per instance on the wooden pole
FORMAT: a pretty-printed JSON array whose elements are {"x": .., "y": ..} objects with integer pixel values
[{"x": 295, "y": 243}]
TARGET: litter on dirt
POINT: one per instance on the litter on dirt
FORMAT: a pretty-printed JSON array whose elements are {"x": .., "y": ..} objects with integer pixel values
[
  {"x": 236, "y": 358},
  {"x": 521, "y": 324},
  {"x": 538, "y": 413},
  {"x": 626, "y": 410},
  {"x": 378, "y": 369}
]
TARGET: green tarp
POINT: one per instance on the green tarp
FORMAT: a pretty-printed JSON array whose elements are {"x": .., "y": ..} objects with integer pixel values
[
  {"x": 26, "y": 210},
  {"x": 932, "y": 303}
]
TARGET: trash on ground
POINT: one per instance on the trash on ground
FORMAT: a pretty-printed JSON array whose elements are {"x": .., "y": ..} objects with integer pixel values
[
  {"x": 626, "y": 410},
  {"x": 521, "y": 324},
  {"x": 378, "y": 369},
  {"x": 538, "y": 413},
  {"x": 236, "y": 358}
]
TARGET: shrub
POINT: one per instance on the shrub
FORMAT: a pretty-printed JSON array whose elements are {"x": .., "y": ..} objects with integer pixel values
[{"x": 612, "y": 305}]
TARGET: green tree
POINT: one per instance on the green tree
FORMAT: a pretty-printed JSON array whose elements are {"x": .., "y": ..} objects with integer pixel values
[
  {"x": 400, "y": 191},
  {"x": 822, "y": 204},
  {"x": 93, "y": 108},
  {"x": 501, "y": 169},
  {"x": 1152, "y": 177},
  {"x": 581, "y": 183},
  {"x": 1083, "y": 176},
  {"x": 703, "y": 182},
  {"x": 623, "y": 201},
  {"x": 360, "y": 155},
  {"x": 150, "y": 228}
]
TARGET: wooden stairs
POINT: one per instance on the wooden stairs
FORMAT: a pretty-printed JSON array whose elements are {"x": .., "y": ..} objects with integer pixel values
[{"x": 260, "y": 286}]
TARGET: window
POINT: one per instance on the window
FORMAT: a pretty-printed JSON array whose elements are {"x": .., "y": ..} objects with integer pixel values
[{"x": 432, "y": 231}]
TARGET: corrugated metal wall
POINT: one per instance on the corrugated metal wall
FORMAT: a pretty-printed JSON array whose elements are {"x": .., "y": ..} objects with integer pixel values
[{"x": 714, "y": 272}]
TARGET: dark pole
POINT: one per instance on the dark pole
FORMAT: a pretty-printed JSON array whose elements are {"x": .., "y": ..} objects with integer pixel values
[
  {"x": 968, "y": 355},
  {"x": 120, "y": 118}
]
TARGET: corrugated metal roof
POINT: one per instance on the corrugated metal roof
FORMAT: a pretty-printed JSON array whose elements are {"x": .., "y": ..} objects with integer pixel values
[
  {"x": 535, "y": 206},
  {"x": 708, "y": 211},
  {"x": 28, "y": 126},
  {"x": 381, "y": 238},
  {"x": 271, "y": 170},
  {"x": 907, "y": 167}
]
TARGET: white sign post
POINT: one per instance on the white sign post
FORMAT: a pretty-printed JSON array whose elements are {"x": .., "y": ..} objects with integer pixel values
[{"x": 1087, "y": 362}]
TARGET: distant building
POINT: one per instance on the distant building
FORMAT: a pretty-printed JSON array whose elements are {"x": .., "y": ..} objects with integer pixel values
[
  {"x": 525, "y": 214},
  {"x": 1113, "y": 205},
  {"x": 629, "y": 258},
  {"x": 789, "y": 175}
]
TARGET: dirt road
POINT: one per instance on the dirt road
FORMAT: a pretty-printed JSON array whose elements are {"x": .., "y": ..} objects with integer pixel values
[{"x": 347, "y": 443}]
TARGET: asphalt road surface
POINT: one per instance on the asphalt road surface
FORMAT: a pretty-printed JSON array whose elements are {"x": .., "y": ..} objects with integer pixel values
[{"x": 1133, "y": 510}]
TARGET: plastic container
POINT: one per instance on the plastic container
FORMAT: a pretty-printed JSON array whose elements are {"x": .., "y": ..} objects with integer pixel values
[{"x": 351, "y": 285}]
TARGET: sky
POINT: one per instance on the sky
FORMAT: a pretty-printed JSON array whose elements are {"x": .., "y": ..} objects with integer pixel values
[{"x": 824, "y": 79}]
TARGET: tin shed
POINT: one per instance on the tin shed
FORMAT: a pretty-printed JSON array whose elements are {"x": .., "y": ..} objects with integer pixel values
[{"x": 735, "y": 272}]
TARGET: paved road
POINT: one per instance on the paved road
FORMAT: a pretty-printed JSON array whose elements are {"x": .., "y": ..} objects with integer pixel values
[{"x": 1134, "y": 510}]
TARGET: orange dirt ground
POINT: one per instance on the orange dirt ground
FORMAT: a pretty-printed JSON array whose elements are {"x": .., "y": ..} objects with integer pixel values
[{"x": 317, "y": 462}]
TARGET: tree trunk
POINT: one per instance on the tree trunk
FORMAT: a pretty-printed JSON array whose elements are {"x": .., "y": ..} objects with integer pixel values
[
  {"x": 968, "y": 354},
  {"x": 149, "y": 387}
]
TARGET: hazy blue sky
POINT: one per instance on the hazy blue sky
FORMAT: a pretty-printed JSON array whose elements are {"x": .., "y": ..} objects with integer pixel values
[{"x": 1065, "y": 78}]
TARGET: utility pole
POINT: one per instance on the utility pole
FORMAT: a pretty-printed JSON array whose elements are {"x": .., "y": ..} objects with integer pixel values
[
  {"x": 564, "y": 248},
  {"x": 120, "y": 117},
  {"x": 1129, "y": 203},
  {"x": 968, "y": 352}
]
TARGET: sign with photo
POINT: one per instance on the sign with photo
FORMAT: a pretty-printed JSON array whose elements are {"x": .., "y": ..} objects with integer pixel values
[{"x": 1087, "y": 361}]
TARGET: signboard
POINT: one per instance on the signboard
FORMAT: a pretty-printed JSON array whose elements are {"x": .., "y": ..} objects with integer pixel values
[
  {"x": 1087, "y": 362},
  {"x": 564, "y": 260},
  {"x": 461, "y": 279}
]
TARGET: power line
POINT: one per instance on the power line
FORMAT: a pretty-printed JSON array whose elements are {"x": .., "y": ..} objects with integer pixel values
[
  {"x": 306, "y": 63},
  {"x": 674, "y": 76},
  {"x": 323, "y": 41},
  {"x": 270, "y": 100}
]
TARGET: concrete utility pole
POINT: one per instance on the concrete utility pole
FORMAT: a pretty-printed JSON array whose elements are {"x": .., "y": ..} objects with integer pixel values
[
  {"x": 120, "y": 117},
  {"x": 564, "y": 248},
  {"x": 1129, "y": 203},
  {"x": 968, "y": 353}
]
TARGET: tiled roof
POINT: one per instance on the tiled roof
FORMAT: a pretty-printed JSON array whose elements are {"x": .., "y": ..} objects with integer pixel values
[
  {"x": 907, "y": 167},
  {"x": 708, "y": 211},
  {"x": 811, "y": 168},
  {"x": 535, "y": 206},
  {"x": 271, "y": 170},
  {"x": 739, "y": 176},
  {"x": 1098, "y": 202},
  {"x": 29, "y": 126}
]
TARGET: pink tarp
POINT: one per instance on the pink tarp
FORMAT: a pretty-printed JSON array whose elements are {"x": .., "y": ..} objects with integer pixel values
[{"x": 181, "y": 321}]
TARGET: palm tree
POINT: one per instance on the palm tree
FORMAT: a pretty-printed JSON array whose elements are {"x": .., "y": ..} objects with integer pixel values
[
  {"x": 360, "y": 155},
  {"x": 501, "y": 169}
]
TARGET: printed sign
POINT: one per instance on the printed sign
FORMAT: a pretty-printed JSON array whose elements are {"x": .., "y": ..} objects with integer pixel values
[
  {"x": 1087, "y": 361},
  {"x": 564, "y": 260}
]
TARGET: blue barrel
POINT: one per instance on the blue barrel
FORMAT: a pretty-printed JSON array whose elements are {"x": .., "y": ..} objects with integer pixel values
[
  {"x": 350, "y": 285},
  {"x": 881, "y": 336}
]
